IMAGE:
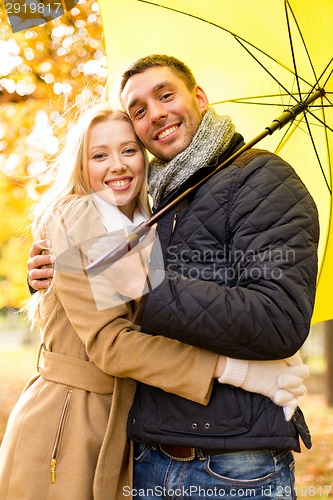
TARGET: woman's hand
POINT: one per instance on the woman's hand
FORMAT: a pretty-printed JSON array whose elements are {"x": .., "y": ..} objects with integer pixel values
[{"x": 40, "y": 270}]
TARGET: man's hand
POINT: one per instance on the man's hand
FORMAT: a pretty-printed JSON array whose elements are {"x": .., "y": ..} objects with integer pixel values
[{"x": 40, "y": 270}]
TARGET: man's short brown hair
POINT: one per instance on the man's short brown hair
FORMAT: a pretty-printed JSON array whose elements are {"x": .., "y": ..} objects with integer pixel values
[{"x": 154, "y": 60}]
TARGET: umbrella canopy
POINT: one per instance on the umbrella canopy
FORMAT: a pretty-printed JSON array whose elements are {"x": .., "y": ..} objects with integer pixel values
[{"x": 253, "y": 59}]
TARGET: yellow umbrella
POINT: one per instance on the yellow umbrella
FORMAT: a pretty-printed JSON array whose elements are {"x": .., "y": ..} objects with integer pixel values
[{"x": 254, "y": 59}]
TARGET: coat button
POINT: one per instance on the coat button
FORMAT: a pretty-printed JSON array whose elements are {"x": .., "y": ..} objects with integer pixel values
[
  {"x": 194, "y": 425},
  {"x": 133, "y": 421}
]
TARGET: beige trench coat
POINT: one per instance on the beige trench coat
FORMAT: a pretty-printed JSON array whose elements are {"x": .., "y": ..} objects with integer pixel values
[{"x": 66, "y": 437}]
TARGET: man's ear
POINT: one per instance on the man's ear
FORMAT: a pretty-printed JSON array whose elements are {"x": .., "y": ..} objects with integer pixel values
[{"x": 201, "y": 98}]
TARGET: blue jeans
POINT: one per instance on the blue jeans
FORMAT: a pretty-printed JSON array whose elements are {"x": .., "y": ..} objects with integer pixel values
[{"x": 255, "y": 474}]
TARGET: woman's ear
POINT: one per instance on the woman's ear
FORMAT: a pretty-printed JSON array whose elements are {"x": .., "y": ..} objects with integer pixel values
[{"x": 201, "y": 98}]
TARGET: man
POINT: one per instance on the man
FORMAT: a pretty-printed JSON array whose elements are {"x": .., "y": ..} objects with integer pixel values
[{"x": 240, "y": 272}]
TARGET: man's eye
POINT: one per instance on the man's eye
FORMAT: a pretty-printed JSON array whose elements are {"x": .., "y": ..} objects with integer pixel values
[
  {"x": 139, "y": 113},
  {"x": 167, "y": 95}
]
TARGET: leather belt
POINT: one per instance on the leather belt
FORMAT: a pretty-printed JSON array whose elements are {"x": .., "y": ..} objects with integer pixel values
[{"x": 187, "y": 454}]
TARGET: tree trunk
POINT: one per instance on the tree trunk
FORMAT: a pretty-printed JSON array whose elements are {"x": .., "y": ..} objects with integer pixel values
[{"x": 328, "y": 328}]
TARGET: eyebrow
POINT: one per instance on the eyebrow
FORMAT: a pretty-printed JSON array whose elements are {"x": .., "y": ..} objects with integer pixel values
[
  {"x": 97, "y": 147},
  {"x": 122, "y": 144},
  {"x": 156, "y": 87}
]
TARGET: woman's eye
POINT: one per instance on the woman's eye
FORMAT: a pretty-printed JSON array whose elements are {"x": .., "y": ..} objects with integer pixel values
[
  {"x": 99, "y": 156},
  {"x": 129, "y": 151}
]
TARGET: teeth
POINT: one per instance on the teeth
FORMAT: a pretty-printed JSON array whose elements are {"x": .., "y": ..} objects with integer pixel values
[
  {"x": 119, "y": 183},
  {"x": 167, "y": 132}
]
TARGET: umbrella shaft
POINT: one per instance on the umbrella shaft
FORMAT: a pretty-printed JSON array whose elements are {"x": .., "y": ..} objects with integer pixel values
[{"x": 290, "y": 114}]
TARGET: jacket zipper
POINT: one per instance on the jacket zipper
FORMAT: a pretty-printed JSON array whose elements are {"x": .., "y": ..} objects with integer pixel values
[
  {"x": 179, "y": 209},
  {"x": 174, "y": 223},
  {"x": 59, "y": 435}
]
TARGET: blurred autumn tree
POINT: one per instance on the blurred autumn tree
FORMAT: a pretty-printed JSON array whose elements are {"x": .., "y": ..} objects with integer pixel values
[{"x": 44, "y": 70}]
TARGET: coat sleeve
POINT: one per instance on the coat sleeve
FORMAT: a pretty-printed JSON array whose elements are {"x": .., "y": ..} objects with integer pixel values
[
  {"x": 110, "y": 339},
  {"x": 262, "y": 305}
]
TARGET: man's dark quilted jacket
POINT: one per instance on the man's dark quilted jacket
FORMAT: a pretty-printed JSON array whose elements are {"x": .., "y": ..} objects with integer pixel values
[{"x": 241, "y": 264}]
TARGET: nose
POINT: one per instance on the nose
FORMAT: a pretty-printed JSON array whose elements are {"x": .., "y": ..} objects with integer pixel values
[
  {"x": 117, "y": 165},
  {"x": 157, "y": 111}
]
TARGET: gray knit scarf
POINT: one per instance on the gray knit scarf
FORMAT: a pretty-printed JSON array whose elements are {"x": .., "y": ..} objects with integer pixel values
[{"x": 211, "y": 139}]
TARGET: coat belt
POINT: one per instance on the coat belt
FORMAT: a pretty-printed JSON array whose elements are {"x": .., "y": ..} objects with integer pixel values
[{"x": 75, "y": 372}]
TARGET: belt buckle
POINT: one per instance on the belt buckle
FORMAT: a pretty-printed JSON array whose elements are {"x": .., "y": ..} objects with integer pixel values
[{"x": 180, "y": 459}]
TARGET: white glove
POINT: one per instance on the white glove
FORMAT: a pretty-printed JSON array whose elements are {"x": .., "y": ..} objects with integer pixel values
[
  {"x": 290, "y": 384},
  {"x": 281, "y": 380}
]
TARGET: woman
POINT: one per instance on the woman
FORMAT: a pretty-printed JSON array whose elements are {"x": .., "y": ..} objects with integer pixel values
[{"x": 66, "y": 437}]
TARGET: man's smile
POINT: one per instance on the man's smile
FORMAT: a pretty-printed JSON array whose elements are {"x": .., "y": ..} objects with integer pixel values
[{"x": 166, "y": 132}]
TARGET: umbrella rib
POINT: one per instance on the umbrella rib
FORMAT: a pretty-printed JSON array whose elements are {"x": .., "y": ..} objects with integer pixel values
[
  {"x": 243, "y": 100},
  {"x": 287, "y": 4},
  {"x": 328, "y": 236},
  {"x": 292, "y": 46},
  {"x": 240, "y": 40},
  {"x": 330, "y": 74},
  {"x": 237, "y": 37},
  {"x": 316, "y": 84},
  {"x": 329, "y": 152},
  {"x": 316, "y": 152},
  {"x": 322, "y": 122},
  {"x": 247, "y": 100}
]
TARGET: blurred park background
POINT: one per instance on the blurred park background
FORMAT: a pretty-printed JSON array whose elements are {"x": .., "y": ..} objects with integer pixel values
[{"x": 44, "y": 71}]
